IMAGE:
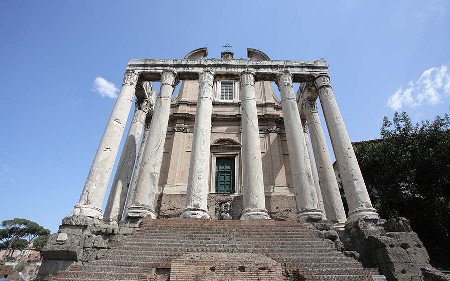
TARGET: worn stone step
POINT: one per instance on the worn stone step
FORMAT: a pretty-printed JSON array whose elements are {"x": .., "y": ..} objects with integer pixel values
[
  {"x": 332, "y": 277},
  {"x": 158, "y": 242}
]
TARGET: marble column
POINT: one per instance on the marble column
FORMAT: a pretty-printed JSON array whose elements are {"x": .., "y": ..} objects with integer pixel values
[
  {"x": 359, "y": 204},
  {"x": 91, "y": 199},
  {"x": 122, "y": 179},
  {"x": 302, "y": 179},
  {"x": 327, "y": 179},
  {"x": 252, "y": 171},
  {"x": 313, "y": 167},
  {"x": 132, "y": 189},
  {"x": 198, "y": 180},
  {"x": 148, "y": 176}
]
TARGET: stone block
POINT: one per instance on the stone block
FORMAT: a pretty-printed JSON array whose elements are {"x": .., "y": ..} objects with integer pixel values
[
  {"x": 431, "y": 274},
  {"x": 68, "y": 249},
  {"x": 49, "y": 268}
]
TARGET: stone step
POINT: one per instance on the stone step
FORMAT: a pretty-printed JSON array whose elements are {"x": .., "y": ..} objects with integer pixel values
[
  {"x": 340, "y": 278},
  {"x": 159, "y": 242},
  {"x": 168, "y": 246},
  {"x": 294, "y": 259},
  {"x": 95, "y": 275},
  {"x": 106, "y": 268},
  {"x": 213, "y": 240}
]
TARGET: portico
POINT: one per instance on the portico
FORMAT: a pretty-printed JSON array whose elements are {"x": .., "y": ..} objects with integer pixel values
[{"x": 266, "y": 167}]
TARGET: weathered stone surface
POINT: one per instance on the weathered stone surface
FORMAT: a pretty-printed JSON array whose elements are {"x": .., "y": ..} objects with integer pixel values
[
  {"x": 148, "y": 176},
  {"x": 398, "y": 224},
  {"x": 225, "y": 266},
  {"x": 332, "y": 201},
  {"x": 305, "y": 192},
  {"x": 253, "y": 182},
  {"x": 360, "y": 206},
  {"x": 91, "y": 199},
  {"x": 398, "y": 255},
  {"x": 431, "y": 274},
  {"x": 80, "y": 239},
  {"x": 198, "y": 180},
  {"x": 122, "y": 179}
]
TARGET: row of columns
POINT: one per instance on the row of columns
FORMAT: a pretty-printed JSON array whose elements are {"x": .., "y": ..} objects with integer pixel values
[{"x": 315, "y": 186}]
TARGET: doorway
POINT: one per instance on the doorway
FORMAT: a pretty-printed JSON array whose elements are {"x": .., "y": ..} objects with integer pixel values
[{"x": 225, "y": 175}]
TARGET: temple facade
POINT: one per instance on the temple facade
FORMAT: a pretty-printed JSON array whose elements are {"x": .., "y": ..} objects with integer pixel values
[
  {"x": 224, "y": 145},
  {"x": 225, "y": 174}
]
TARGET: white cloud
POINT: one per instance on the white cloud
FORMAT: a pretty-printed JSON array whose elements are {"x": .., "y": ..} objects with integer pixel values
[
  {"x": 105, "y": 88},
  {"x": 431, "y": 88}
]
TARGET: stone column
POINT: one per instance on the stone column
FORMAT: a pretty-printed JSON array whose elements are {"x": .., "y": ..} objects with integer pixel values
[
  {"x": 91, "y": 199},
  {"x": 121, "y": 183},
  {"x": 302, "y": 179},
  {"x": 149, "y": 171},
  {"x": 313, "y": 167},
  {"x": 355, "y": 190},
  {"x": 198, "y": 180},
  {"x": 327, "y": 179},
  {"x": 132, "y": 189},
  {"x": 252, "y": 171}
]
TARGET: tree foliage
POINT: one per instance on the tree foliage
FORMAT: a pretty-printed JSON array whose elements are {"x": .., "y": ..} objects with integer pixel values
[
  {"x": 17, "y": 234},
  {"x": 40, "y": 242},
  {"x": 407, "y": 173}
]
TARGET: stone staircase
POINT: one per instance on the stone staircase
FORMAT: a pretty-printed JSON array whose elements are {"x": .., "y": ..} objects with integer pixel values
[{"x": 230, "y": 248}]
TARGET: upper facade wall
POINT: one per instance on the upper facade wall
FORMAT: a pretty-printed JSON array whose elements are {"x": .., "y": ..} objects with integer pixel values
[{"x": 188, "y": 90}]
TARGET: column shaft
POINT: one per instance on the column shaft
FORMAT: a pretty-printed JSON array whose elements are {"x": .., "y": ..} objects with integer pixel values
[
  {"x": 355, "y": 190},
  {"x": 252, "y": 171},
  {"x": 149, "y": 171},
  {"x": 302, "y": 179},
  {"x": 119, "y": 189},
  {"x": 91, "y": 199},
  {"x": 327, "y": 179},
  {"x": 314, "y": 172},
  {"x": 198, "y": 180},
  {"x": 132, "y": 189}
]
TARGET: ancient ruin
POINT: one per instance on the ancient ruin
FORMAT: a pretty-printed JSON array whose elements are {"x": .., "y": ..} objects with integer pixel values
[{"x": 224, "y": 180}]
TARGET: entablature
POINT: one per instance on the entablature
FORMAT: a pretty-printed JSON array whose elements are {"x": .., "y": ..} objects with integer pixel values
[{"x": 188, "y": 69}]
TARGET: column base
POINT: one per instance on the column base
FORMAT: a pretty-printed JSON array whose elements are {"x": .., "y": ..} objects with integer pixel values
[
  {"x": 88, "y": 211},
  {"x": 369, "y": 215},
  {"x": 255, "y": 215},
  {"x": 309, "y": 215},
  {"x": 140, "y": 211},
  {"x": 191, "y": 213}
]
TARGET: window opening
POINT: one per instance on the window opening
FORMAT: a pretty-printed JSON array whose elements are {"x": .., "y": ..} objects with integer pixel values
[{"x": 226, "y": 90}]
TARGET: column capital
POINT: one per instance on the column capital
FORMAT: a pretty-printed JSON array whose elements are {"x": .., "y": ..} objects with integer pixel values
[
  {"x": 247, "y": 78},
  {"x": 285, "y": 78},
  {"x": 322, "y": 81},
  {"x": 309, "y": 106},
  {"x": 169, "y": 78},
  {"x": 207, "y": 76},
  {"x": 130, "y": 77}
]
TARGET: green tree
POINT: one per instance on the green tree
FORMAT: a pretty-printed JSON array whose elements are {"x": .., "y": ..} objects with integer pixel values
[
  {"x": 17, "y": 234},
  {"x": 40, "y": 242},
  {"x": 407, "y": 173}
]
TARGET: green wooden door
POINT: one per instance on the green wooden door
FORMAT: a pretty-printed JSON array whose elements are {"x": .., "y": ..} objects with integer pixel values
[{"x": 225, "y": 175}]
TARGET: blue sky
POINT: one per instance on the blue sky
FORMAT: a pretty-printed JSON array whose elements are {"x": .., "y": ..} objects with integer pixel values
[{"x": 383, "y": 55}]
